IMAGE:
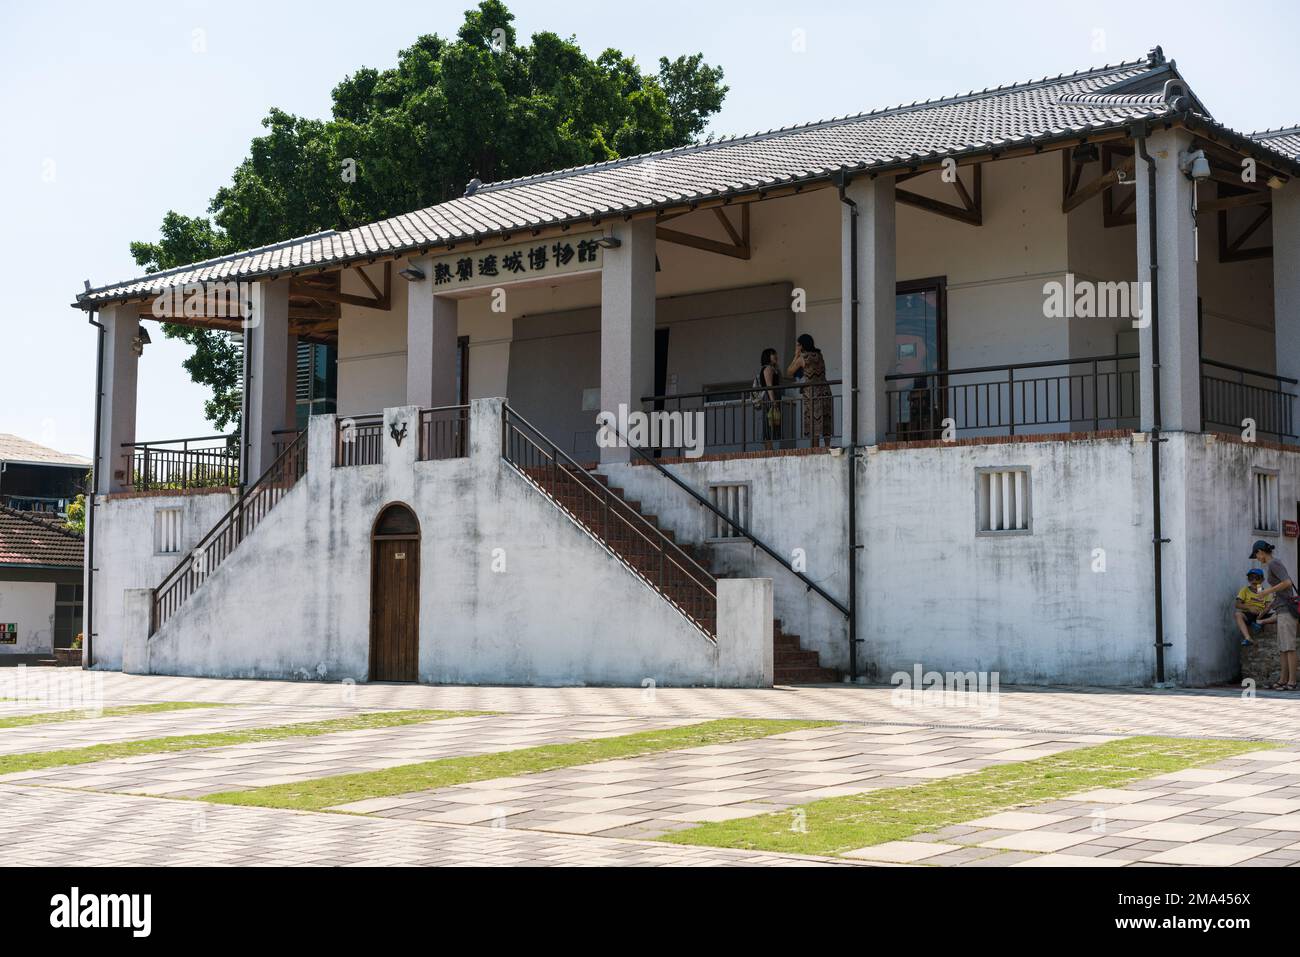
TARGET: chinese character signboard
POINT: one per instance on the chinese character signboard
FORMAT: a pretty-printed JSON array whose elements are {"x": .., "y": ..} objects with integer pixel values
[
  {"x": 484, "y": 268},
  {"x": 8, "y": 633}
]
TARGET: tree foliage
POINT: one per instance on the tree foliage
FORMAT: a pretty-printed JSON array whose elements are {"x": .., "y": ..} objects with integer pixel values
[{"x": 476, "y": 105}]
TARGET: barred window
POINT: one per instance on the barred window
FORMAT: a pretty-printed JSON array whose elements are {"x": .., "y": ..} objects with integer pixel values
[
  {"x": 732, "y": 501},
  {"x": 1265, "y": 507},
  {"x": 1002, "y": 501},
  {"x": 167, "y": 531}
]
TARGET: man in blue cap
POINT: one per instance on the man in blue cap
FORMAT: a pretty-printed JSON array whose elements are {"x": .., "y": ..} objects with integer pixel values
[{"x": 1282, "y": 589}]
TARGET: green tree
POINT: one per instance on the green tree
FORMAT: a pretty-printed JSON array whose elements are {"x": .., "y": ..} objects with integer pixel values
[
  {"x": 76, "y": 518},
  {"x": 479, "y": 105}
]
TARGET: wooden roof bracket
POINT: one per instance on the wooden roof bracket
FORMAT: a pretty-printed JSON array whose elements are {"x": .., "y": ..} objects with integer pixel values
[{"x": 971, "y": 210}]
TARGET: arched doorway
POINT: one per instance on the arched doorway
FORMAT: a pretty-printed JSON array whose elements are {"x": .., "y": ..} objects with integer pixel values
[{"x": 395, "y": 596}]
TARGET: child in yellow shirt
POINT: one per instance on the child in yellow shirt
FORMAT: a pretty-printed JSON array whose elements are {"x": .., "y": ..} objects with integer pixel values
[{"x": 1251, "y": 608}]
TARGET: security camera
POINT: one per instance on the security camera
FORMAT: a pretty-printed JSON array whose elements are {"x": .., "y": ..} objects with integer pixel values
[{"x": 1195, "y": 165}]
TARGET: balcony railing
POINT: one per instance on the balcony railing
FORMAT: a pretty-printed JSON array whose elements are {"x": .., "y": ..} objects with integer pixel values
[
  {"x": 359, "y": 439},
  {"x": 787, "y": 416},
  {"x": 1059, "y": 395},
  {"x": 233, "y": 527},
  {"x": 206, "y": 462},
  {"x": 1233, "y": 397},
  {"x": 281, "y": 439},
  {"x": 444, "y": 433}
]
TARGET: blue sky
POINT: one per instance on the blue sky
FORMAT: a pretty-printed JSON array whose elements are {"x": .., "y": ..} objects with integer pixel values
[{"x": 111, "y": 117}]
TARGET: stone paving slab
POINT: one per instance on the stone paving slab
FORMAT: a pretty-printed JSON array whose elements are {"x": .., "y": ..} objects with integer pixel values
[
  {"x": 653, "y": 795},
  {"x": 1194, "y": 817},
  {"x": 134, "y": 727},
  {"x": 189, "y": 774},
  {"x": 120, "y": 830},
  {"x": 1198, "y": 713}
]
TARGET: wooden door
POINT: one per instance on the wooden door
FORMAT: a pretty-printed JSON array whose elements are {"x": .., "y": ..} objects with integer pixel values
[{"x": 395, "y": 597}]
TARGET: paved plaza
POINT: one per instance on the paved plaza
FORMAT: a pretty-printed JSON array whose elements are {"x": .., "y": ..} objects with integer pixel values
[{"x": 134, "y": 810}]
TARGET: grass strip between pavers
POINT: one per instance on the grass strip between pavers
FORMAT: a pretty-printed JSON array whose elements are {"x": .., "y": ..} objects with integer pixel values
[
  {"x": 79, "y": 714},
  {"x": 41, "y": 760},
  {"x": 321, "y": 793},
  {"x": 837, "y": 825}
]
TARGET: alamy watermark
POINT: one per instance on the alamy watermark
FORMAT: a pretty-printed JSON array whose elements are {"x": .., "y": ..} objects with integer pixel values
[
  {"x": 1086, "y": 299},
  {"x": 921, "y": 689},
  {"x": 652, "y": 430}
]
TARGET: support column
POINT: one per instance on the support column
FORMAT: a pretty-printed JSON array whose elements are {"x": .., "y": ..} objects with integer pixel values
[
  {"x": 1286, "y": 284},
  {"x": 627, "y": 323},
  {"x": 876, "y": 285},
  {"x": 432, "y": 323},
  {"x": 117, "y": 414},
  {"x": 1180, "y": 365},
  {"x": 266, "y": 343}
]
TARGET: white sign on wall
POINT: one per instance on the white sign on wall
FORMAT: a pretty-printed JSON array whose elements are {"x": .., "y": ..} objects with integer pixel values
[{"x": 499, "y": 265}]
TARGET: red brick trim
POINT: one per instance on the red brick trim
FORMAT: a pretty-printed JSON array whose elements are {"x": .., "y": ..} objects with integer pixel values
[
  {"x": 1236, "y": 439},
  {"x": 166, "y": 493},
  {"x": 729, "y": 456},
  {"x": 1007, "y": 440}
]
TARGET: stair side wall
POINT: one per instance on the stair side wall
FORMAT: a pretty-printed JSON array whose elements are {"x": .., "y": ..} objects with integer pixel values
[
  {"x": 512, "y": 590},
  {"x": 126, "y": 556}
]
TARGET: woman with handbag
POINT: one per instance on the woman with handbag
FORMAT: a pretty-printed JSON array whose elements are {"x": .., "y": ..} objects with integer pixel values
[{"x": 1283, "y": 591}]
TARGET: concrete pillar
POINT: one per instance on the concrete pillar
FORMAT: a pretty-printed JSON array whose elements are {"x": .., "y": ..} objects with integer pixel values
[
  {"x": 1180, "y": 366},
  {"x": 1286, "y": 283},
  {"x": 137, "y": 613},
  {"x": 627, "y": 323},
  {"x": 117, "y": 413},
  {"x": 745, "y": 624},
  {"x": 431, "y": 330},
  {"x": 877, "y": 282},
  {"x": 266, "y": 341}
]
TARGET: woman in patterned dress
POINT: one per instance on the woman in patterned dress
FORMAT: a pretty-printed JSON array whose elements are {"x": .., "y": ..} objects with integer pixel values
[{"x": 818, "y": 410}]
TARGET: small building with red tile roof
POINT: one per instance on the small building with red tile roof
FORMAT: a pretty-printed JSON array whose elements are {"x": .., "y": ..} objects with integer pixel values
[{"x": 41, "y": 578}]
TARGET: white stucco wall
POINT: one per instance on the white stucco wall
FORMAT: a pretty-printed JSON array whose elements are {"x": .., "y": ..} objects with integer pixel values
[
  {"x": 293, "y": 600},
  {"x": 125, "y": 556},
  {"x": 29, "y": 605},
  {"x": 797, "y": 507},
  {"x": 931, "y": 591}
]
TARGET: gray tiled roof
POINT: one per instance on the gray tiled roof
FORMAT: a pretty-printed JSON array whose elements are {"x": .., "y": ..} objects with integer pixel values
[
  {"x": 16, "y": 449},
  {"x": 1284, "y": 140},
  {"x": 1037, "y": 111}
]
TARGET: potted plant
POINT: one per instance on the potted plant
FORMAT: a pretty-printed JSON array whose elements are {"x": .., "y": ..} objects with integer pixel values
[{"x": 70, "y": 656}]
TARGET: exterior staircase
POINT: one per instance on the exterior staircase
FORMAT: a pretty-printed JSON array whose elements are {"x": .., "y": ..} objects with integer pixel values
[
  {"x": 223, "y": 538},
  {"x": 677, "y": 570}
]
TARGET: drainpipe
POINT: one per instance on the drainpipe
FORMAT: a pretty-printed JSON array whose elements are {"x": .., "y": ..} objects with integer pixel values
[
  {"x": 1157, "y": 542},
  {"x": 853, "y": 426},
  {"x": 88, "y": 616}
]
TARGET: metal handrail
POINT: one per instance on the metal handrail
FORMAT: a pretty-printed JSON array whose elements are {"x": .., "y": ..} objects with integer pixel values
[
  {"x": 1012, "y": 367},
  {"x": 208, "y": 466},
  {"x": 742, "y": 530},
  {"x": 242, "y": 518},
  {"x": 609, "y": 504},
  {"x": 366, "y": 445},
  {"x": 1244, "y": 371},
  {"x": 1009, "y": 402},
  {"x": 459, "y": 428},
  {"x": 780, "y": 386}
]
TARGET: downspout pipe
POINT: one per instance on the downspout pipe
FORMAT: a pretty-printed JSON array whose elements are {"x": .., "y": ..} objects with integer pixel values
[
  {"x": 1157, "y": 541},
  {"x": 842, "y": 183},
  {"x": 88, "y": 618}
]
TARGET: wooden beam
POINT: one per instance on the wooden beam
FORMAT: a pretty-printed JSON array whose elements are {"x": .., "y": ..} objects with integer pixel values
[
  {"x": 726, "y": 224},
  {"x": 701, "y": 242},
  {"x": 1097, "y": 186},
  {"x": 938, "y": 207},
  {"x": 1234, "y": 202}
]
